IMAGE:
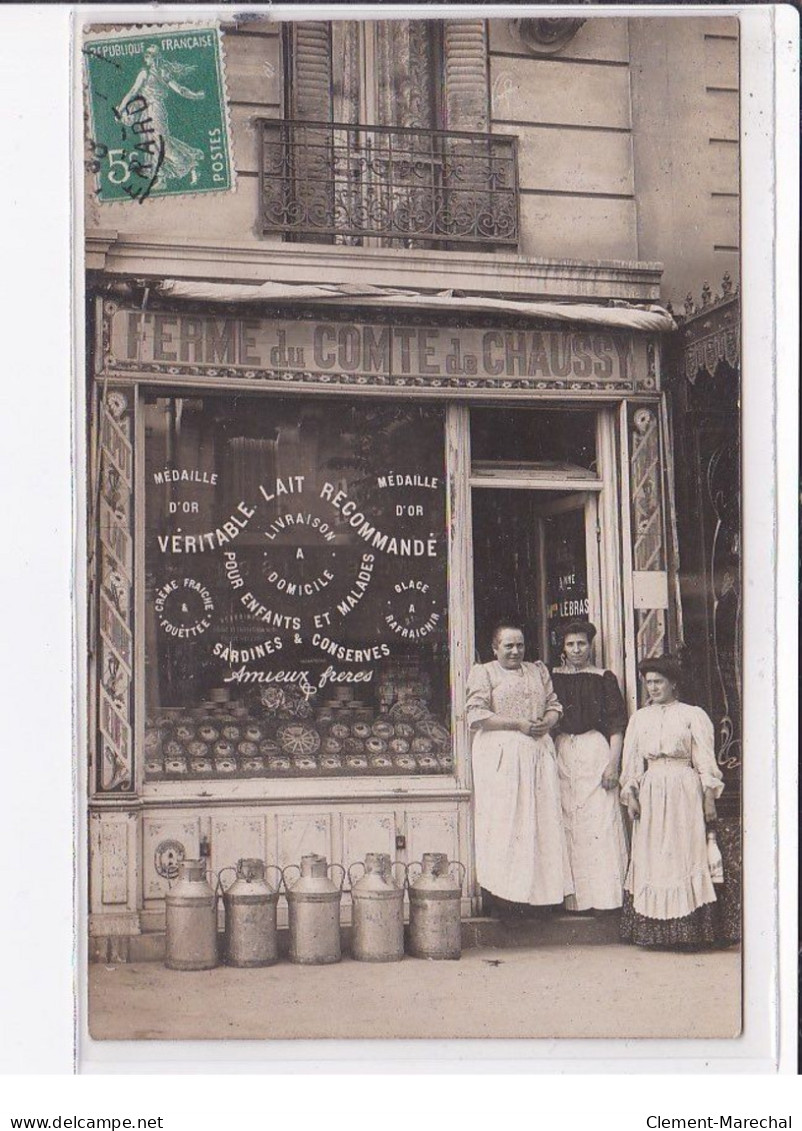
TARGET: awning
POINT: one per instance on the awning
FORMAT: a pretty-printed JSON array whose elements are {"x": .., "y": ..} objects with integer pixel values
[{"x": 619, "y": 315}]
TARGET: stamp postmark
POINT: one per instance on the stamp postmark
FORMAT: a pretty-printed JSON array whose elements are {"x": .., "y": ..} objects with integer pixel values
[{"x": 158, "y": 113}]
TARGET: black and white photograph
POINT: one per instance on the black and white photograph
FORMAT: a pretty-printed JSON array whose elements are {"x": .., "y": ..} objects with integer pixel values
[{"x": 413, "y": 662}]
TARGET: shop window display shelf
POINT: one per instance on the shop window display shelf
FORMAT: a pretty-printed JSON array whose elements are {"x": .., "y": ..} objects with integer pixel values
[{"x": 234, "y": 742}]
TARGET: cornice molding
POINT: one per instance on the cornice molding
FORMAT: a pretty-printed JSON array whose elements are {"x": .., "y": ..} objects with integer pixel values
[
  {"x": 98, "y": 243},
  {"x": 492, "y": 274}
]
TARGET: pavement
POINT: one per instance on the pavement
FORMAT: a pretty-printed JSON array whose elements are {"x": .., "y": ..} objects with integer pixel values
[{"x": 522, "y": 992}]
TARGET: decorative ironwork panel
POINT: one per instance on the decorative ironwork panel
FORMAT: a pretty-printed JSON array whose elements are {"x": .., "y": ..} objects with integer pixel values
[
  {"x": 348, "y": 182},
  {"x": 113, "y": 587},
  {"x": 711, "y": 334}
]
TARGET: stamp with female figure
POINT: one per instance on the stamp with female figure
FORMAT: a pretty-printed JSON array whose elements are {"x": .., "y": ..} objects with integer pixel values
[{"x": 158, "y": 113}]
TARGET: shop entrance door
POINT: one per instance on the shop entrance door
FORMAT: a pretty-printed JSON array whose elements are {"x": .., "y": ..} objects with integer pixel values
[{"x": 535, "y": 561}]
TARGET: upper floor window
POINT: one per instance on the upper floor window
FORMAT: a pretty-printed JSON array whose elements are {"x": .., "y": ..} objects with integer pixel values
[
  {"x": 386, "y": 73},
  {"x": 379, "y": 145}
]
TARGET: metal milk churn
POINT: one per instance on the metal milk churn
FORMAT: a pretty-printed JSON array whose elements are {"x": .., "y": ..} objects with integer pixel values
[
  {"x": 191, "y": 916},
  {"x": 250, "y": 936},
  {"x": 314, "y": 905},
  {"x": 434, "y": 908},
  {"x": 378, "y": 911}
]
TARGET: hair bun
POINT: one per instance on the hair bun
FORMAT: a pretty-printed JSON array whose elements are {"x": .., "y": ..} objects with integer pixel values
[
  {"x": 579, "y": 628},
  {"x": 665, "y": 665}
]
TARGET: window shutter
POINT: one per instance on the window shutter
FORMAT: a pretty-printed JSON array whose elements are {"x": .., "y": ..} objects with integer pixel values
[
  {"x": 310, "y": 99},
  {"x": 310, "y": 70},
  {"x": 466, "y": 82},
  {"x": 468, "y": 169}
]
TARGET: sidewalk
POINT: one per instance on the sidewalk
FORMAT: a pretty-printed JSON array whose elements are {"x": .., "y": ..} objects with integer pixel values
[{"x": 547, "y": 991}]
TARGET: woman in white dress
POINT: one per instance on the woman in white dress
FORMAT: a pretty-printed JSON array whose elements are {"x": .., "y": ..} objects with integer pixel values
[
  {"x": 521, "y": 854},
  {"x": 144, "y": 109},
  {"x": 589, "y": 740},
  {"x": 669, "y": 782}
]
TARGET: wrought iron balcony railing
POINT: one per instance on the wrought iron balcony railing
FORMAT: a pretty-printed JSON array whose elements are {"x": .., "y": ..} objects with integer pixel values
[{"x": 348, "y": 184}]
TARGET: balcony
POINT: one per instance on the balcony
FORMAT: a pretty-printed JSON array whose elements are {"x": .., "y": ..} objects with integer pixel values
[{"x": 331, "y": 182}]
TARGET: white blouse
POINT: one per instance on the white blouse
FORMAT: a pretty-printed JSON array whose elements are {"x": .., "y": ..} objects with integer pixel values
[
  {"x": 524, "y": 692},
  {"x": 669, "y": 730}
]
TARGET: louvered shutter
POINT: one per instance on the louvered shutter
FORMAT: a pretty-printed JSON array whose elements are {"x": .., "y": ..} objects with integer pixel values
[
  {"x": 467, "y": 165},
  {"x": 310, "y": 70},
  {"x": 467, "y": 98},
  {"x": 310, "y": 99}
]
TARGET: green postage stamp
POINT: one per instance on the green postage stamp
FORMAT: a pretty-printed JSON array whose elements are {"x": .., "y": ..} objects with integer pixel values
[{"x": 158, "y": 112}]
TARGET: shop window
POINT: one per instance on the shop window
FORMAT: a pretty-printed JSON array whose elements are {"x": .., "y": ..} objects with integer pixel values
[
  {"x": 295, "y": 588},
  {"x": 382, "y": 139}
]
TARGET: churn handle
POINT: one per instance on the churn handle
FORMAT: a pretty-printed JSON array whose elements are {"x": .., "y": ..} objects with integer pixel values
[
  {"x": 276, "y": 868},
  {"x": 356, "y": 864},
  {"x": 399, "y": 864},
  {"x": 342, "y": 881},
  {"x": 284, "y": 871},
  {"x": 463, "y": 871},
  {"x": 166, "y": 875},
  {"x": 410, "y": 866}
]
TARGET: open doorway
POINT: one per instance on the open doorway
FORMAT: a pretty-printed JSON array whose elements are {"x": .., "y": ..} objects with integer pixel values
[
  {"x": 535, "y": 486},
  {"x": 535, "y": 561}
]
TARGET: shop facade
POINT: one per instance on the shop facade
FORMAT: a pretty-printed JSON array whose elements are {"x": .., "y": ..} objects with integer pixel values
[{"x": 310, "y": 519}]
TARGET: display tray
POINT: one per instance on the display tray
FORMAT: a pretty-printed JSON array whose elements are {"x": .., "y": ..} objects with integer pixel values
[{"x": 317, "y": 774}]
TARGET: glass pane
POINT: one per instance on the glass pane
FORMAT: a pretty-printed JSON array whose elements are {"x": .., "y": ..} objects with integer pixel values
[
  {"x": 296, "y": 597},
  {"x": 506, "y": 574},
  {"x": 509, "y": 579},
  {"x": 526, "y": 437},
  {"x": 566, "y": 574}
]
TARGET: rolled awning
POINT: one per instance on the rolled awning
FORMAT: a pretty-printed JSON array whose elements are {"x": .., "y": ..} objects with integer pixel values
[{"x": 622, "y": 316}]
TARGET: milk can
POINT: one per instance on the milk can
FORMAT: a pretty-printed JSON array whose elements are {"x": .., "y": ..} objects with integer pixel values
[
  {"x": 191, "y": 918},
  {"x": 378, "y": 911},
  {"x": 250, "y": 937},
  {"x": 314, "y": 905},
  {"x": 434, "y": 908}
]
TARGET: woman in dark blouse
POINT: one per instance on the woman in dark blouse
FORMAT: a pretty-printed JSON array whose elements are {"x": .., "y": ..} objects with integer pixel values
[{"x": 589, "y": 741}]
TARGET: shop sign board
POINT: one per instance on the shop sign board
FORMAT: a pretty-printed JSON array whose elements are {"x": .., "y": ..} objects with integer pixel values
[{"x": 332, "y": 350}]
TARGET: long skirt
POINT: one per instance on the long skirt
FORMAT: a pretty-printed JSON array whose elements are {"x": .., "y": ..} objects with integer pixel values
[
  {"x": 594, "y": 824},
  {"x": 671, "y": 898},
  {"x": 521, "y": 853}
]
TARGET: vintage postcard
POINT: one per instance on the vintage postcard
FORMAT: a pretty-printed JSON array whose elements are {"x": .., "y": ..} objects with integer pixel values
[{"x": 414, "y": 574}]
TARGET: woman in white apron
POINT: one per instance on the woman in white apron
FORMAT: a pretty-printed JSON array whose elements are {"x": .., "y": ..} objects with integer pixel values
[
  {"x": 521, "y": 854},
  {"x": 588, "y": 746}
]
